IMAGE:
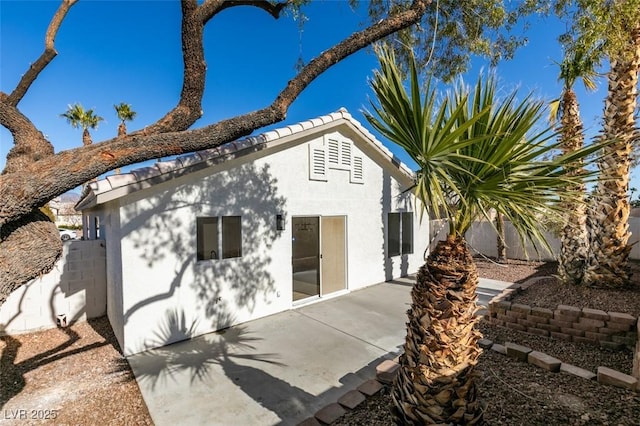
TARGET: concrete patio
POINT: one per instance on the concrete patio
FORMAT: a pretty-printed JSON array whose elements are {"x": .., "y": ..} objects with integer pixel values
[{"x": 281, "y": 369}]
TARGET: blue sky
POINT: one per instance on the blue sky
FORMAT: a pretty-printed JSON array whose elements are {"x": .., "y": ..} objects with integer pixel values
[{"x": 116, "y": 51}]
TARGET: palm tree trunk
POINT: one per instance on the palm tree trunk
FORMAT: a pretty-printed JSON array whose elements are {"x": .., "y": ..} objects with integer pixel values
[
  {"x": 501, "y": 239},
  {"x": 574, "y": 238},
  {"x": 608, "y": 221},
  {"x": 122, "y": 130},
  {"x": 86, "y": 137},
  {"x": 436, "y": 382}
]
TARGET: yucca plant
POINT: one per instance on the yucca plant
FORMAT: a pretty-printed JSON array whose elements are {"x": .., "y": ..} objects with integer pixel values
[{"x": 475, "y": 152}]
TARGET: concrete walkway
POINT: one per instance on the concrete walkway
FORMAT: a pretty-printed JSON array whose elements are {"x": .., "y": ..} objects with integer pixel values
[{"x": 280, "y": 369}]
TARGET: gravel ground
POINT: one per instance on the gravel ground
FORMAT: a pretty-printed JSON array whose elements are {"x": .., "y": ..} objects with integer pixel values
[
  {"x": 78, "y": 375},
  {"x": 71, "y": 376},
  {"x": 517, "y": 393}
]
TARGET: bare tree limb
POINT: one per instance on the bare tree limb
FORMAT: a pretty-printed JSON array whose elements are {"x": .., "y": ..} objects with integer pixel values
[
  {"x": 30, "y": 144},
  {"x": 189, "y": 107},
  {"x": 194, "y": 17},
  {"x": 47, "y": 56},
  {"x": 210, "y": 8},
  {"x": 44, "y": 179}
]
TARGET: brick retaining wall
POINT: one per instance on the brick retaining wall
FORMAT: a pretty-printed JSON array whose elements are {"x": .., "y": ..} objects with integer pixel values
[{"x": 608, "y": 329}]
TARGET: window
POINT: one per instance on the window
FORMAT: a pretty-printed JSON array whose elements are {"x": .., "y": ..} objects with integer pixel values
[
  {"x": 231, "y": 237},
  {"x": 399, "y": 233},
  {"x": 219, "y": 238}
]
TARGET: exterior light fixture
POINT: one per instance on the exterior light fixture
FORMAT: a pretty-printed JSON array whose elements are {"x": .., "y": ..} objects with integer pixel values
[{"x": 280, "y": 222}]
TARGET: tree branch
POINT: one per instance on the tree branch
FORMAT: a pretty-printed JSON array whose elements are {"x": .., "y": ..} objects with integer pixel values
[
  {"x": 189, "y": 107},
  {"x": 210, "y": 8},
  {"x": 43, "y": 180},
  {"x": 346, "y": 48},
  {"x": 30, "y": 144},
  {"x": 194, "y": 17},
  {"x": 45, "y": 58}
]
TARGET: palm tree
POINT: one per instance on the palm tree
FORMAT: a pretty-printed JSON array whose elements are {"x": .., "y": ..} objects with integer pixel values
[
  {"x": 608, "y": 222},
  {"x": 574, "y": 237},
  {"x": 501, "y": 240},
  {"x": 125, "y": 113},
  {"x": 474, "y": 153},
  {"x": 78, "y": 117}
]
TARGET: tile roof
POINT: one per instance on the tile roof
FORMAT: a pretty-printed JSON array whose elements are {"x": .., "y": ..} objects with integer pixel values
[{"x": 161, "y": 171}]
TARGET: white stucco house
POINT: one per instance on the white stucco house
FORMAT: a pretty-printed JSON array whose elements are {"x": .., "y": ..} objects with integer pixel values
[{"x": 258, "y": 226}]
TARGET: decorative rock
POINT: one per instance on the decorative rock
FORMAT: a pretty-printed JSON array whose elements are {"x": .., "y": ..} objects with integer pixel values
[
  {"x": 596, "y": 314},
  {"x": 525, "y": 309},
  {"x": 571, "y": 311},
  {"x": 351, "y": 399},
  {"x": 537, "y": 319},
  {"x": 515, "y": 326},
  {"x": 622, "y": 318},
  {"x": 499, "y": 348},
  {"x": 545, "y": 361},
  {"x": 518, "y": 352},
  {"x": 503, "y": 304},
  {"x": 386, "y": 371},
  {"x": 485, "y": 343},
  {"x": 596, "y": 336},
  {"x": 577, "y": 371},
  {"x": 542, "y": 312},
  {"x": 615, "y": 378},
  {"x": 370, "y": 387},
  {"x": 572, "y": 331},
  {"x": 330, "y": 413},
  {"x": 617, "y": 326}
]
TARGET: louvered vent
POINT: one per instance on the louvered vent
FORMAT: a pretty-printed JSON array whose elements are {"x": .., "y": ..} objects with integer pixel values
[
  {"x": 317, "y": 164},
  {"x": 346, "y": 154},
  {"x": 357, "y": 173},
  {"x": 334, "y": 152}
]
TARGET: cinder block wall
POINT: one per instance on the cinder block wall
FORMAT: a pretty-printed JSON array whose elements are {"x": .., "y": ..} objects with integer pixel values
[{"x": 75, "y": 288}]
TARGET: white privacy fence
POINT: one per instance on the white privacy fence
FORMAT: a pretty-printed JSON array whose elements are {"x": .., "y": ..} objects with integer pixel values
[
  {"x": 482, "y": 239},
  {"x": 75, "y": 289}
]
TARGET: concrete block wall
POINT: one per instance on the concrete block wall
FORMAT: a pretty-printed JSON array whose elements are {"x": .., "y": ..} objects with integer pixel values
[{"x": 75, "y": 288}]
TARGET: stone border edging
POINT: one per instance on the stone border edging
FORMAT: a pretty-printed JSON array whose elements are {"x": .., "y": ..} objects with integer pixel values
[
  {"x": 386, "y": 372},
  {"x": 612, "y": 330},
  {"x": 604, "y": 375},
  {"x": 387, "y": 369}
]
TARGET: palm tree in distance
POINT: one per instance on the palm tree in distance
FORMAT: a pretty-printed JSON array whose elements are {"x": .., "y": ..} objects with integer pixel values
[
  {"x": 125, "y": 113},
  {"x": 574, "y": 236},
  {"x": 78, "y": 117},
  {"x": 474, "y": 152}
]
